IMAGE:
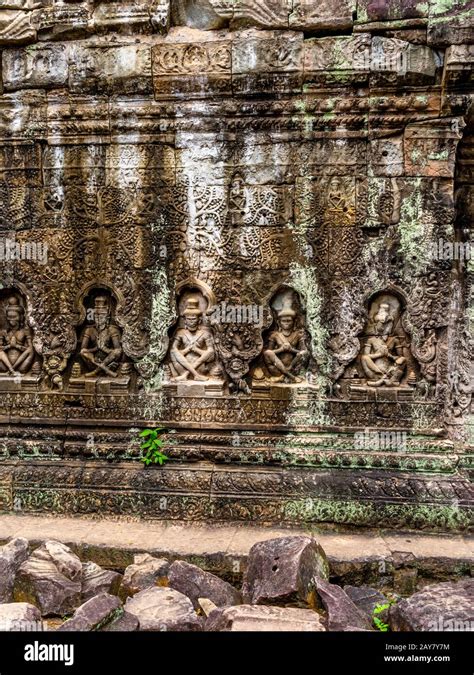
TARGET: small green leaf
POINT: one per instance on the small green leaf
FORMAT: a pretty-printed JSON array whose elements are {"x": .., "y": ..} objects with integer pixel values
[
  {"x": 383, "y": 627},
  {"x": 380, "y": 608},
  {"x": 152, "y": 445}
]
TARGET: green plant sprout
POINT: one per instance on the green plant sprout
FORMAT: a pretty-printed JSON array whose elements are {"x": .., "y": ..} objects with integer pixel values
[
  {"x": 378, "y": 623},
  {"x": 153, "y": 444}
]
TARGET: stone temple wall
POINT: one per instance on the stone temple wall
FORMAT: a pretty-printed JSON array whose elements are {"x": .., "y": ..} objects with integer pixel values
[{"x": 247, "y": 221}]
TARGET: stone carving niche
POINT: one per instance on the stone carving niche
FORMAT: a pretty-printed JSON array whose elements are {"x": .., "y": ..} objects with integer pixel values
[
  {"x": 100, "y": 360},
  {"x": 286, "y": 355},
  {"x": 19, "y": 364},
  {"x": 384, "y": 361},
  {"x": 192, "y": 360}
]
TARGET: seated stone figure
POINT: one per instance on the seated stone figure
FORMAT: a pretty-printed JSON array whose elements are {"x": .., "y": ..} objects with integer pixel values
[
  {"x": 101, "y": 343},
  {"x": 16, "y": 341},
  {"x": 286, "y": 353},
  {"x": 192, "y": 352},
  {"x": 382, "y": 358}
]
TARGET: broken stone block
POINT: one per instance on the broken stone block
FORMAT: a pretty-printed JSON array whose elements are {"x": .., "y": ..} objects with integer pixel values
[
  {"x": 343, "y": 614},
  {"x": 450, "y": 23},
  {"x": 63, "y": 21},
  {"x": 96, "y": 580},
  {"x": 16, "y": 27},
  {"x": 267, "y": 62},
  {"x": 19, "y": 616},
  {"x": 281, "y": 570},
  {"x": 146, "y": 571},
  {"x": 198, "y": 69},
  {"x": 340, "y": 60},
  {"x": 163, "y": 609},
  {"x": 399, "y": 62},
  {"x": 386, "y": 156},
  {"x": 201, "y": 15},
  {"x": 265, "y": 13},
  {"x": 94, "y": 614},
  {"x": 324, "y": 15},
  {"x": 103, "y": 68},
  {"x": 430, "y": 148},
  {"x": 126, "y": 623},
  {"x": 206, "y": 606},
  {"x": 448, "y": 606},
  {"x": 252, "y": 618},
  {"x": 459, "y": 65},
  {"x": 65, "y": 560},
  {"x": 366, "y": 598},
  {"x": 11, "y": 556},
  {"x": 39, "y": 66},
  {"x": 195, "y": 583},
  {"x": 50, "y": 579},
  {"x": 370, "y": 11}
]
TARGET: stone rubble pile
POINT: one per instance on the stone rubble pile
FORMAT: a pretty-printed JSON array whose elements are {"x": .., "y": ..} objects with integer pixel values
[{"x": 285, "y": 587}]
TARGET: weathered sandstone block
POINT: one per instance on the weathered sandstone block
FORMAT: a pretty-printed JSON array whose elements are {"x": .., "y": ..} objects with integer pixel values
[
  {"x": 19, "y": 616},
  {"x": 163, "y": 609},
  {"x": 337, "y": 60},
  {"x": 50, "y": 579},
  {"x": 251, "y": 618},
  {"x": 11, "y": 556},
  {"x": 448, "y": 606},
  {"x": 342, "y": 613},
  {"x": 280, "y": 570},
  {"x": 195, "y": 583},
  {"x": 99, "y": 67},
  {"x": 146, "y": 571},
  {"x": 325, "y": 15},
  {"x": 184, "y": 65},
  {"x": 16, "y": 25},
  {"x": 430, "y": 150},
  {"x": 267, "y": 62},
  {"x": 94, "y": 614},
  {"x": 400, "y": 62},
  {"x": 39, "y": 66},
  {"x": 96, "y": 580}
]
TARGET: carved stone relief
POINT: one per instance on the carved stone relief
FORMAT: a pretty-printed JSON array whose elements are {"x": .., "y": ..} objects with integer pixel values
[
  {"x": 384, "y": 359},
  {"x": 286, "y": 349},
  {"x": 255, "y": 219},
  {"x": 100, "y": 357},
  {"x": 19, "y": 363},
  {"x": 192, "y": 356}
]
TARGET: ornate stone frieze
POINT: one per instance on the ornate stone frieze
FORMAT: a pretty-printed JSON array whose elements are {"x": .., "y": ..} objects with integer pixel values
[{"x": 249, "y": 222}]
